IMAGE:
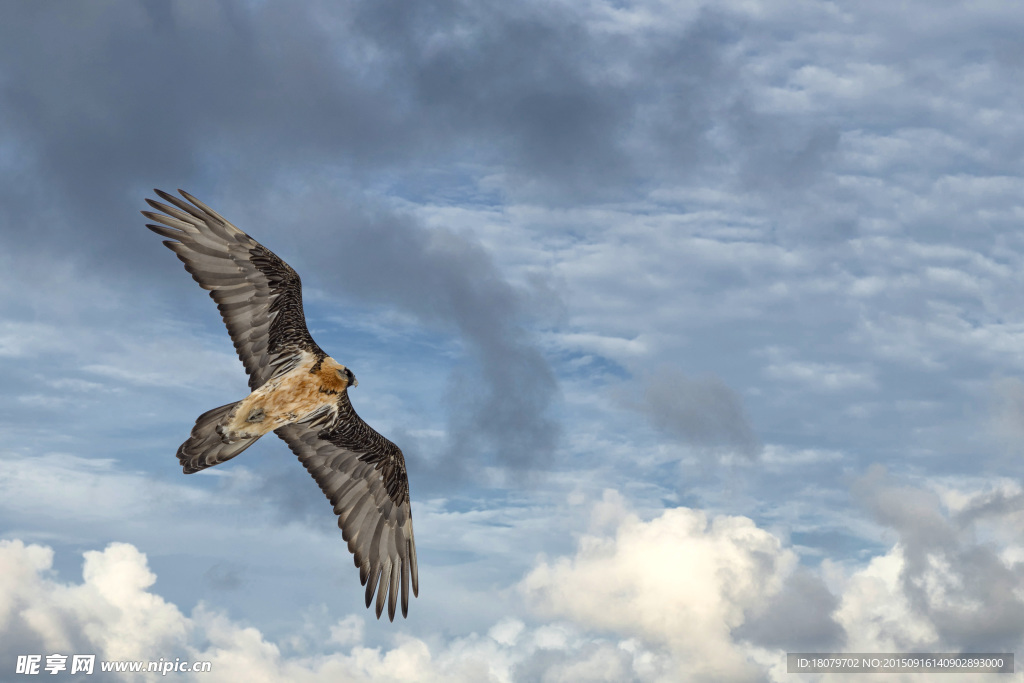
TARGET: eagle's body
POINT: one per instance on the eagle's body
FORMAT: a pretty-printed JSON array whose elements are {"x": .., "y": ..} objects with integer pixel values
[
  {"x": 310, "y": 389},
  {"x": 298, "y": 392}
]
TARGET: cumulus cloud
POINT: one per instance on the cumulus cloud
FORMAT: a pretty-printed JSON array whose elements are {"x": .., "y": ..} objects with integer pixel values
[
  {"x": 111, "y": 613},
  {"x": 680, "y": 581},
  {"x": 799, "y": 618},
  {"x": 114, "y": 614},
  {"x": 680, "y": 596},
  {"x": 707, "y": 591},
  {"x": 950, "y": 579},
  {"x": 709, "y": 179},
  {"x": 672, "y": 588}
]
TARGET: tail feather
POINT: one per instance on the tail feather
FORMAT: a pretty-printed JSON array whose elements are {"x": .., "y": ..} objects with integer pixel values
[{"x": 204, "y": 447}]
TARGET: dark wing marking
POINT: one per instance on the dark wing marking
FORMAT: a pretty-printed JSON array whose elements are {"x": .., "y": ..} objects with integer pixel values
[
  {"x": 259, "y": 296},
  {"x": 363, "y": 474}
]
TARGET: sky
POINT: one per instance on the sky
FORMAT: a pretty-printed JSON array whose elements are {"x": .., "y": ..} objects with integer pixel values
[{"x": 700, "y": 324}]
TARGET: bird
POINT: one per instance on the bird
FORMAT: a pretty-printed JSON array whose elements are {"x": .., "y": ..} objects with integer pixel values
[{"x": 297, "y": 391}]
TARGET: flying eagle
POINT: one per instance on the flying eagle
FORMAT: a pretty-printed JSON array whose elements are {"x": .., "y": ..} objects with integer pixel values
[{"x": 298, "y": 392}]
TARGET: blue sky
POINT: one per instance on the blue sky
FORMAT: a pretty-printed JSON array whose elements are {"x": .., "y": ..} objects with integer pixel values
[{"x": 701, "y": 326}]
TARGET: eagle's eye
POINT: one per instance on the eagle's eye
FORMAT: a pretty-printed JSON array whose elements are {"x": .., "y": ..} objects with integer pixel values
[{"x": 351, "y": 379}]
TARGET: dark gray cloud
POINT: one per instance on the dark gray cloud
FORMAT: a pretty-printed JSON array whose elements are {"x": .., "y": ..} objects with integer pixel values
[
  {"x": 701, "y": 411},
  {"x": 950, "y": 576},
  {"x": 100, "y": 102},
  {"x": 224, "y": 576},
  {"x": 798, "y": 618},
  {"x": 994, "y": 504},
  {"x": 879, "y": 168},
  {"x": 134, "y": 94},
  {"x": 500, "y": 395},
  {"x": 236, "y": 100},
  {"x": 103, "y": 102}
]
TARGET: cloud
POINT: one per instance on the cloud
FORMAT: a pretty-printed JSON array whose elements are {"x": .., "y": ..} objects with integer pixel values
[
  {"x": 499, "y": 399},
  {"x": 543, "y": 95},
  {"x": 799, "y": 618},
  {"x": 774, "y": 454},
  {"x": 225, "y": 576},
  {"x": 961, "y": 589},
  {"x": 679, "y": 581},
  {"x": 875, "y": 613},
  {"x": 141, "y": 126},
  {"x": 681, "y": 596},
  {"x": 114, "y": 614},
  {"x": 1007, "y": 411},
  {"x": 725, "y": 599},
  {"x": 701, "y": 411},
  {"x": 698, "y": 181},
  {"x": 110, "y": 613},
  {"x": 820, "y": 376}
]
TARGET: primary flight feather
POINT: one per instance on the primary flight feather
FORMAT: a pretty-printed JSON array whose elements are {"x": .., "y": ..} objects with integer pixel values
[{"x": 298, "y": 392}]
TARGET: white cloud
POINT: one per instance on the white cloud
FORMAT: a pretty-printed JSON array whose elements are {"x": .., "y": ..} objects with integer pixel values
[
  {"x": 89, "y": 490},
  {"x": 774, "y": 454},
  {"x": 876, "y": 614},
  {"x": 114, "y": 614},
  {"x": 678, "y": 581},
  {"x": 616, "y": 348},
  {"x": 821, "y": 376},
  {"x": 23, "y": 340},
  {"x": 817, "y": 376},
  {"x": 776, "y": 174},
  {"x": 658, "y": 600},
  {"x": 111, "y": 611}
]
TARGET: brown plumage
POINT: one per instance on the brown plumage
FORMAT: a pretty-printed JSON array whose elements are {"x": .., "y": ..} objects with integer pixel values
[{"x": 298, "y": 392}]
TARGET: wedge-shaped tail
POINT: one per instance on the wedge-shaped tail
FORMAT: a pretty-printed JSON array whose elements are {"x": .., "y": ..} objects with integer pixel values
[{"x": 204, "y": 447}]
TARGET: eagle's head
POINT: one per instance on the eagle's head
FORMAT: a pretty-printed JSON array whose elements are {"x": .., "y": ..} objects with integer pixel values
[{"x": 349, "y": 378}]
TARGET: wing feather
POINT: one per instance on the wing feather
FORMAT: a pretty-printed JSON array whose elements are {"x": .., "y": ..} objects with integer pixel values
[
  {"x": 352, "y": 524},
  {"x": 364, "y": 477},
  {"x": 382, "y": 589},
  {"x": 259, "y": 295},
  {"x": 410, "y": 552},
  {"x": 371, "y": 585},
  {"x": 186, "y": 208},
  {"x": 345, "y": 494},
  {"x": 393, "y": 595}
]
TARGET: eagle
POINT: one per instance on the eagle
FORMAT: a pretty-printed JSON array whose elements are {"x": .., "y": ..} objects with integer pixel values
[{"x": 297, "y": 391}]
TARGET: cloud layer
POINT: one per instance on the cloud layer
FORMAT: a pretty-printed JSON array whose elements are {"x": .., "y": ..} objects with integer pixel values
[
  {"x": 680, "y": 596},
  {"x": 756, "y": 266}
]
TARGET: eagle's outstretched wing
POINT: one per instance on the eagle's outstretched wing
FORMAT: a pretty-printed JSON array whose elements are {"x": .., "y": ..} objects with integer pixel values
[
  {"x": 258, "y": 294},
  {"x": 363, "y": 474}
]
